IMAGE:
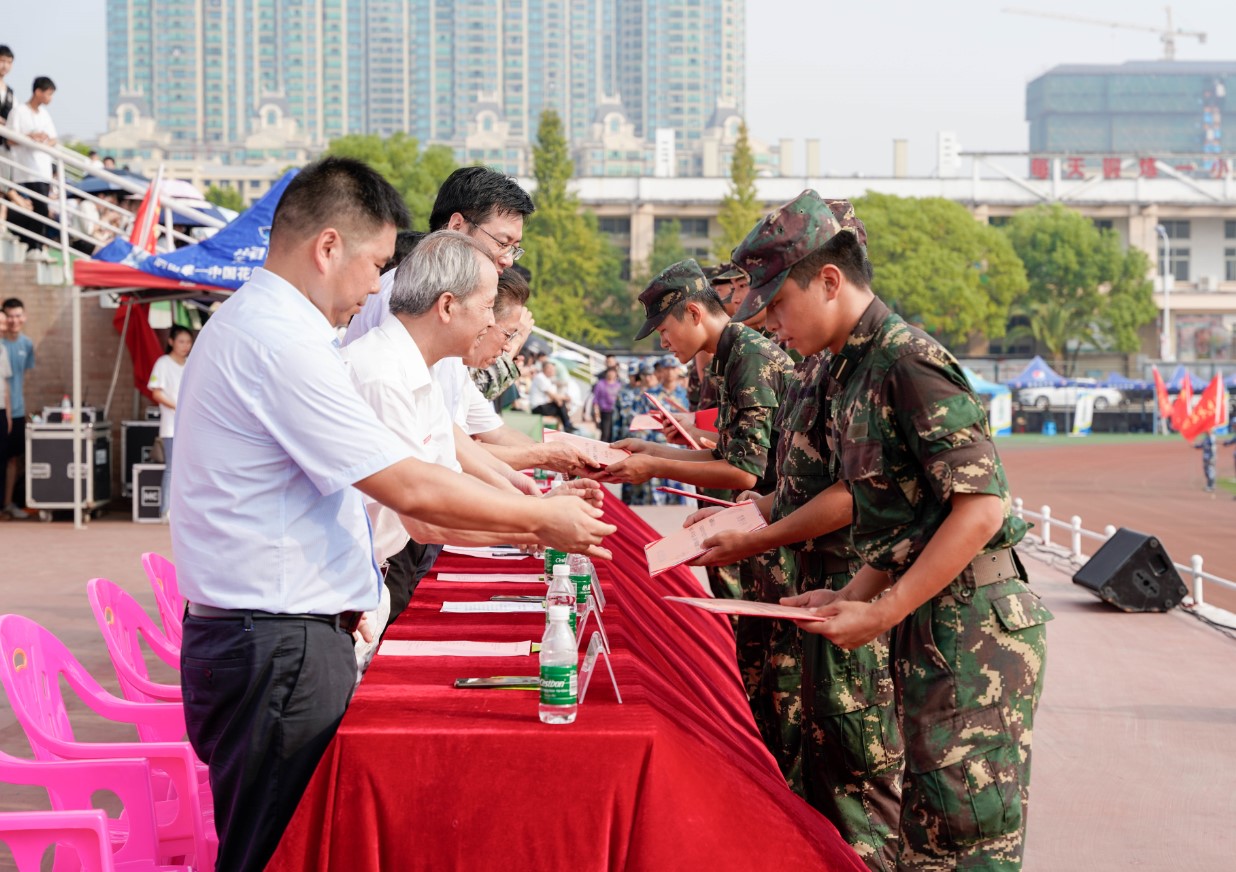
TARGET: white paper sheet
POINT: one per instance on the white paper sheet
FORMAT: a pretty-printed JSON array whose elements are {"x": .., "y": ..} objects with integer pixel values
[
  {"x": 485, "y": 553},
  {"x": 489, "y": 606},
  {"x": 422, "y": 648},
  {"x": 484, "y": 578}
]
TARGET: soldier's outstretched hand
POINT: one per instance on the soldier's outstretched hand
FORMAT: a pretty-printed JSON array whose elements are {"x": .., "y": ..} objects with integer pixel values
[{"x": 846, "y": 624}]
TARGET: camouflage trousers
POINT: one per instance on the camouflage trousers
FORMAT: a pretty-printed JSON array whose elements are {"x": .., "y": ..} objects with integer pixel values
[
  {"x": 968, "y": 670},
  {"x": 852, "y": 751},
  {"x": 722, "y": 580}
]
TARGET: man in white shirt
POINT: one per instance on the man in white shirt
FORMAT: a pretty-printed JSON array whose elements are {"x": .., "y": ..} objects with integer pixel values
[
  {"x": 273, "y": 548},
  {"x": 34, "y": 167}
]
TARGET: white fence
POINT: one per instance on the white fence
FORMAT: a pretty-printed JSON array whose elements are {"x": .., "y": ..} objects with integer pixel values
[{"x": 1076, "y": 533}]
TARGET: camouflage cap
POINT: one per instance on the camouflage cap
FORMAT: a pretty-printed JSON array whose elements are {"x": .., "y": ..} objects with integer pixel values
[
  {"x": 673, "y": 284},
  {"x": 724, "y": 272},
  {"x": 785, "y": 237}
]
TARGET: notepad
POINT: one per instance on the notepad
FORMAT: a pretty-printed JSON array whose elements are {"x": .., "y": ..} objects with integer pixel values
[
  {"x": 746, "y": 608},
  {"x": 490, "y": 606},
  {"x": 685, "y": 544},
  {"x": 593, "y": 449},
  {"x": 423, "y": 648}
]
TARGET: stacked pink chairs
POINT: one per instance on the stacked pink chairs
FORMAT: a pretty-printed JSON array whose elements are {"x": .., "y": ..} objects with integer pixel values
[
  {"x": 96, "y": 841},
  {"x": 33, "y": 662},
  {"x": 162, "y": 574},
  {"x": 124, "y": 624}
]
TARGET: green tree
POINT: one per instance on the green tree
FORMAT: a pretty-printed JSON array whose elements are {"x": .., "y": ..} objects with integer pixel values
[
  {"x": 416, "y": 172},
  {"x": 939, "y": 268},
  {"x": 667, "y": 247},
  {"x": 577, "y": 288},
  {"x": 740, "y": 209},
  {"x": 228, "y": 198},
  {"x": 1084, "y": 288}
]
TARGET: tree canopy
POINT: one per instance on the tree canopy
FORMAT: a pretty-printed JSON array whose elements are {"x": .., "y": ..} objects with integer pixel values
[
  {"x": 740, "y": 208},
  {"x": 416, "y": 172},
  {"x": 228, "y": 198},
  {"x": 1084, "y": 287},
  {"x": 939, "y": 268},
  {"x": 576, "y": 272}
]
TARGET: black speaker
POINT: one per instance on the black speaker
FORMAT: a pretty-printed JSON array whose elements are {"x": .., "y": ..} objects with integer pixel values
[{"x": 1133, "y": 572}]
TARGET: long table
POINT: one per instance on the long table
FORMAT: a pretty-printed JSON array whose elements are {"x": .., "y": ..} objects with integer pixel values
[{"x": 424, "y": 776}]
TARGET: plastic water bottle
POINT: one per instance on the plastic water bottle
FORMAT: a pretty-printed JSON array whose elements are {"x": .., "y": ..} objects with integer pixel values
[
  {"x": 581, "y": 575},
  {"x": 561, "y": 593},
  {"x": 552, "y": 558},
  {"x": 66, "y": 409},
  {"x": 559, "y": 669}
]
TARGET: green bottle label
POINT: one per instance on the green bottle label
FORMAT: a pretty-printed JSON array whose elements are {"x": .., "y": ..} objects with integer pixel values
[
  {"x": 583, "y": 586},
  {"x": 552, "y": 558},
  {"x": 559, "y": 685}
]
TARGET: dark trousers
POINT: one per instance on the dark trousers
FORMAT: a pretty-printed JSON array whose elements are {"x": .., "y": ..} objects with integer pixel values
[
  {"x": 555, "y": 410},
  {"x": 38, "y": 230},
  {"x": 405, "y": 572},
  {"x": 607, "y": 426},
  {"x": 262, "y": 701}
]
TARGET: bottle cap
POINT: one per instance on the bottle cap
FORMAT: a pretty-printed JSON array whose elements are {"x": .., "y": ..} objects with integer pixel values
[
  {"x": 562, "y": 569},
  {"x": 559, "y": 613}
]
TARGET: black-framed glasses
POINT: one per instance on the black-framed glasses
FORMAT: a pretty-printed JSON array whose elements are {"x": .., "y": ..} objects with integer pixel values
[{"x": 503, "y": 247}]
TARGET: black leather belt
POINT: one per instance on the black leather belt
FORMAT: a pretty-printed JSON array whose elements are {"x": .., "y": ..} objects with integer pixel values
[{"x": 346, "y": 622}]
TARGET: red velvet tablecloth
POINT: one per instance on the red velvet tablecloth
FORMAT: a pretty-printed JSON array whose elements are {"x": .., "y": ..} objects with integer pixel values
[{"x": 424, "y": 776}]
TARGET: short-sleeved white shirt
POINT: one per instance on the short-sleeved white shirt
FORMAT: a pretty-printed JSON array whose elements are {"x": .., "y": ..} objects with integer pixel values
[
  {"x": 389, "y": 372},
  {"x": 5, "y": 371},
  {"x": 166, "y": 376},
  {"x": 33, "y": 165},
  {"x": 374, "y": 310},
  {"x": 472, "y": 412},
  {"x": 271, "y": 436}
]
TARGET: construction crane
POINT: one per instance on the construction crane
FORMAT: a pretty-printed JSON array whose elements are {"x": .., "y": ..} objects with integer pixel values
[{"x": 1168, "y": 34}]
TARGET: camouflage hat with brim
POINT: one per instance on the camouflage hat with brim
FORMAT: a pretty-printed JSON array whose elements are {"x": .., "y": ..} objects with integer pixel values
[
  {"x": 675, "y": 283},
  {"x": 785, "y": 237},
  {"x": 724, "y": 272}
]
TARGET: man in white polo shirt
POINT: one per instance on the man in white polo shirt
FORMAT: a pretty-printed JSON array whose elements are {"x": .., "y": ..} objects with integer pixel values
[{"x": 273, "y": 548}]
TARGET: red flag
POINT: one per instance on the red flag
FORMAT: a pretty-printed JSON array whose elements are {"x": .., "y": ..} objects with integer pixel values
[
  {"x": 141, "y": 341},
  {"x": 143, "y": 235},
  {"x": 1205, "y": 415},
  {"x": 1160, "y": 394},
  {"x": 1180, "y": 408}
]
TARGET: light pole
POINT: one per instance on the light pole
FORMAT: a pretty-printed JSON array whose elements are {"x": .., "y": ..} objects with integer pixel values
[{"x": 1165, "y": 336}]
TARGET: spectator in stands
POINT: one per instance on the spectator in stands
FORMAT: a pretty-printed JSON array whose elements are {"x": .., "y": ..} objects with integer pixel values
[
  {"x": 164, "y": 386},
  {"x": 7, "y": 194},
  {"x": 34, "y": 166},
  {"x": 109, "y": 163},
  {"x": 546, "y": 399},
  {"x": 20, "y": 352}
]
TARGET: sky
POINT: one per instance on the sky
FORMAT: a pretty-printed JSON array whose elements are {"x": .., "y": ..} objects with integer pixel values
[{"x": 856, "y": 74}]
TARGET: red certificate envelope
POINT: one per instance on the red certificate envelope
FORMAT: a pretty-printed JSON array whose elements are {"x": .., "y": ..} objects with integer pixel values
[
  {"x": 696, "y": 496},
  {"x": 664, "y": 411},
  {"x": 745, "y": 608},
  {"x": 706, "y": 419},
  {"x": 686, "y": 544},
  {"x": 644, "y": 421},
  {"x": 593, "y": 449}
]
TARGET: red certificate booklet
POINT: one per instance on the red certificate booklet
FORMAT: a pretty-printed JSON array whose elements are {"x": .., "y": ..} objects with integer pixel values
[
  {"x": 706, "y": 419},
  {"x": 688, "y": 543},
  {"x": 593, "y": 449},
  {"x": 664, "y": 411}
]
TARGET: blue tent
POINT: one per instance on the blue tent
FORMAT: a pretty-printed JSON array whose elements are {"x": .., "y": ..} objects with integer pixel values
[
  {"x": 1037, "y": 374},
  {"x": 1176, "y": 382},
  {"x": 982, "y": 385},
  {"x": 1124, "y": 383},
  {"x": 225, "y": 260}
]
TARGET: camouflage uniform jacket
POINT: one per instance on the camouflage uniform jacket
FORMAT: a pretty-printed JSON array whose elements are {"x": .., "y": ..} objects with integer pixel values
[
  {"x": 907, "y": 433},
  {"x": 750, "y": 375},
  {"x": 629, "y": 397},
  {"x": 495, "y": 378},
  {"x": 701, "y": 390},
  {"x": 803, "y": 455}
]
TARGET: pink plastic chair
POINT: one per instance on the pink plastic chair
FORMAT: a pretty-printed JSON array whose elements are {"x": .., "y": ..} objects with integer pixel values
[
  {"x": 129, "y": 841},
  {"x": 162, "y": 575},
  {"x": 32, "y": 664},
  {"x": 125, "y": 624}
]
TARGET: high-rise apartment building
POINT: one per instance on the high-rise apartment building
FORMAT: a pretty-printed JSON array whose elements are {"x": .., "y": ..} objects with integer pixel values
[{"x": 211, "y": 73}]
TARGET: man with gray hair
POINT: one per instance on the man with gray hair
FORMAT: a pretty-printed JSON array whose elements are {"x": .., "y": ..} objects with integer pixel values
[{"x": 441, "y": 305}]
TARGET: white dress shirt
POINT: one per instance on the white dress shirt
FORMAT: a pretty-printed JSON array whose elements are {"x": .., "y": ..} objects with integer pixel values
[
  {"x": 270, "y": 436},
  {"x": 472, "y": 412},
  {"x": 374, "y": 310},
  {"x": 389, "y": 371}
]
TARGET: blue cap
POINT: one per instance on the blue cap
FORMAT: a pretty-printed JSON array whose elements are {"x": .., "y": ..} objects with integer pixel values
[{"x": 646, "y": 368}]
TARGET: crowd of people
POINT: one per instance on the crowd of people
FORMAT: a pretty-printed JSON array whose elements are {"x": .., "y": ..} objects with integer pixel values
[{"x": 335, "y": 425}]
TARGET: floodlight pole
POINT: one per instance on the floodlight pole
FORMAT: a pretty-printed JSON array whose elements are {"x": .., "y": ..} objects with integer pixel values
[{"x": 1165, "y": 335}]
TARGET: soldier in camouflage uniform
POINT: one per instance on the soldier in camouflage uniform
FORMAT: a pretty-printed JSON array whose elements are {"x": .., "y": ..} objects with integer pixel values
[
  {"x": 750, "y": 373},
  {"x": 932, "y": 522},
  {"x": 826, "y": 713},
  {"x": 631, "y": 402}
]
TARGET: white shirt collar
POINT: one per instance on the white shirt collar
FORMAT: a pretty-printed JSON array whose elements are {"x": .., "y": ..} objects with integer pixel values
[
  {"x": 298, "y": 306},
  {"x": 408, "y": 352}
]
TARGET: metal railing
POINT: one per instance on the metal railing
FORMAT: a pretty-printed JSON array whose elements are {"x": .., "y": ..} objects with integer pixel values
[
  {"x": 594, "y": 359},
  {"x": 1077, "y": 533},
  {"x": 69, "y": 167}
]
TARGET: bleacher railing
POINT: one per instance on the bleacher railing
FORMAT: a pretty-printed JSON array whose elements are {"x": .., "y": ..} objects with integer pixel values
[{"x": 1077, "y": 533}]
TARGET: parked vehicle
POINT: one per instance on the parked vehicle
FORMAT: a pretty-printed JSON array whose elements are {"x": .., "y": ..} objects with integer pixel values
[{"x": 1066, "y": 396}]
